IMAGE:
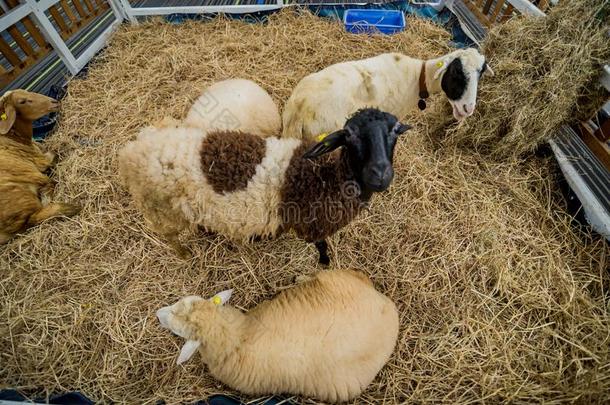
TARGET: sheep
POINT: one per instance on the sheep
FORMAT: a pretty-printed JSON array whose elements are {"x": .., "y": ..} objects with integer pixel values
[
  {"x": 246, "y": 187},
  {"x": 234, "y": 104},
  {"x": 22, "y": 163},
  {"x": 325, "y": 338},
  {"x": 391, "y": 82}
]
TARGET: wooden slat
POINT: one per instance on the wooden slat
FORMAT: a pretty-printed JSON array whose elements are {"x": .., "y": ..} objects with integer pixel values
[
  {"x": 79, "y": 9},
  {"x": 499, "y": 6},
  {"x": 508, "y": 13},
  {"x": 29, "y": 26},
  {"x": 64, "y": 30},
  {"x": 9, "y": 54},
  {"x": 479, "y": 4},
  {"x": 20, "y": 40},
  {"x": 68, "y": 10},
  {"x": 487, "y": 6},
  {"x": 599, "y": 149},
  {"x": 90, "y": 7},
  {"x": 480, "y": 16}
]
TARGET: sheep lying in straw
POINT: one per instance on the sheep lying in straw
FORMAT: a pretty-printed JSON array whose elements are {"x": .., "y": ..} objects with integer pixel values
[
  {"x": 243, "y": 186},
  {"x": 234, "y": 104},
  {"x": 22, "y": 163},
  {"x": 326, "y": 338},
  {"x": 391, "y": 82}
]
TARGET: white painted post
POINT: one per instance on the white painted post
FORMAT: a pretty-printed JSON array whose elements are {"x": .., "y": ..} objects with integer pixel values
[
  {"x": 52, "y": 36},
  {"x": 127, "y": 10}
]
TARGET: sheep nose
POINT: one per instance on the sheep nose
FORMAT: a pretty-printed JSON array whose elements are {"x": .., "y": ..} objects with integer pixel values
[{"x": 468, "y": 108}]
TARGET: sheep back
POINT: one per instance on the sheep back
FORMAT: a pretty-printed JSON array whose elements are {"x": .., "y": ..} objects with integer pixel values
[
  {"x": 182, "y": 177},
  {"x": 238, "y": 105},
  {"x": 326, "y": 338}
]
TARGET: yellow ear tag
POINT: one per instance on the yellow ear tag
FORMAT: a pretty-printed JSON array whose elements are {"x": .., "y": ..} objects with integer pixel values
[
  {"x": 321, "y": 137},
  {"x": 217, "y": 300},
  {"x": 3, "y": 116},
  {"x": 439, "y": 64}
]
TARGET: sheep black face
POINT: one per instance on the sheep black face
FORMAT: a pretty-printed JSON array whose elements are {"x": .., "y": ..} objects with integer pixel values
[
  {"x": 461, "y": 72},
  {"x": 369, "y": 137}
]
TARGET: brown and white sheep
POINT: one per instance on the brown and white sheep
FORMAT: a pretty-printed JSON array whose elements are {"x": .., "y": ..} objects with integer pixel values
[
  {"x": 244, "y": 187},
  {"x": 325, "y": 338},
  {"x": 22, "y": 164}
]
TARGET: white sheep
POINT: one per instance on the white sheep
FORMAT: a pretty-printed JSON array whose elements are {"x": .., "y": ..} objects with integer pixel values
[
  {"x": 234, "y": 104},
  {"x": 325, "y": 338},
  {"x": 246, "y": 187},
  {"x": 392, "y": 82}
]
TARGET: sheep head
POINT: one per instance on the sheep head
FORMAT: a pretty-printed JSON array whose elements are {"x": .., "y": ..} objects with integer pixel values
[
  {"x": 25, "y": 105},
  {"x": 459, "y": 73},
  {"x": 369, "y": 137},
  {"x": 177, "y": 318}
]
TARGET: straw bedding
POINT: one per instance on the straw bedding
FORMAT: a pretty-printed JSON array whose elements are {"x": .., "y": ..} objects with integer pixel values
[
  {"x": 499, "y": 298},
  {"x": 547, "y": 74}
]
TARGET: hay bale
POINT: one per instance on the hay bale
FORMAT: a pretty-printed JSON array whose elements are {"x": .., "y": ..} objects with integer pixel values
[
  {"x": 547, "y": 73},
  {"x": 498, "y": 297}
]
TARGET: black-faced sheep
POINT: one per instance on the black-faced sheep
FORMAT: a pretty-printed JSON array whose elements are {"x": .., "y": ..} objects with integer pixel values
[
  {"x": 22, "y": 163},
  {"x": 243, "y": 186},
  {"x": 391, "y": 82},
  {"x": 326, "y": 338}
]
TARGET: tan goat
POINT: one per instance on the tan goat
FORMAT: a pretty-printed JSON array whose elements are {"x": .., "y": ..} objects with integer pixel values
[{"x": 22, "y": 181}]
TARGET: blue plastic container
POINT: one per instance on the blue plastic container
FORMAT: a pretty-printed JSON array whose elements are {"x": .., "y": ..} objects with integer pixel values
[{"x": 361, "y": 21}]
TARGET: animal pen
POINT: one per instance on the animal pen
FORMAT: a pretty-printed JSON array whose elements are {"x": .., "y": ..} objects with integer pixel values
[{"x": 502, "y": 294}]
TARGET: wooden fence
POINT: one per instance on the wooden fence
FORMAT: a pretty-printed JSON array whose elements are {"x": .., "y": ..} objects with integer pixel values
[
  {"x": 23, "y": 45},
  {"x": 491, "y": 12}
]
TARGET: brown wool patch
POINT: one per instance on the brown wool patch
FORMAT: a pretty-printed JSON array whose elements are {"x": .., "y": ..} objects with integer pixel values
[
  {"x": 229, "y": 159},
  {"x": 318, "y": 196}
]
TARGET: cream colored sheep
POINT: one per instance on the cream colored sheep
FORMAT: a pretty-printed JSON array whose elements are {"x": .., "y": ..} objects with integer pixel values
[
  {"x": 321, "y": 101},
  {"x": 234, "y": 104},
  {"x": 326, "y": 338}
]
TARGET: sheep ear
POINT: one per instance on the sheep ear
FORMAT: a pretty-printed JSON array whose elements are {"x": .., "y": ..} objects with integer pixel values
[
  {"x": 327, "y": 144},
  {"x": 441, "y": 67},
  {"x": 187, "y": 351},
  {"x": 222, "y": 297},
  {"x": 7, "y": 118}
]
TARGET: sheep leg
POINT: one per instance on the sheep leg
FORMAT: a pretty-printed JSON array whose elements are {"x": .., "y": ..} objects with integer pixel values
[
  {"x": 322, "y": 247},
  {"x": 51, "y": 211}
]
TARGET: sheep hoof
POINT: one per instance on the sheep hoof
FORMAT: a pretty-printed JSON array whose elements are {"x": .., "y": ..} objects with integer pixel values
[
  {"x": 51, "y": 158},
  {"x": 324, "y": 260}
]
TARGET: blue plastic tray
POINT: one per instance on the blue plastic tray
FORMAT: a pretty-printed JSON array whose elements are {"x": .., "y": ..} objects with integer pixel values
[{"x": 360, "y": 21}]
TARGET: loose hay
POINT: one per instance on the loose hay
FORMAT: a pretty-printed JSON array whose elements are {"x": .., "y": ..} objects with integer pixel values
[
  {"x": 499, "y": 298},
  {"x": 547, "y": 72}
]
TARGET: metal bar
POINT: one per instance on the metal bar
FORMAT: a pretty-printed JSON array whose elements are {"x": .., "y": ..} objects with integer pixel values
[
  {"x": 98, "y": 44},
  {"x": 52, "y": 36},
  {"x": 527, "y": 8},
  {"x": 4, "y": 6},
  {"x": 241, "y": 9},
  {"x": 13, "y": 16},
  {"x": 126, "y": 9}
]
